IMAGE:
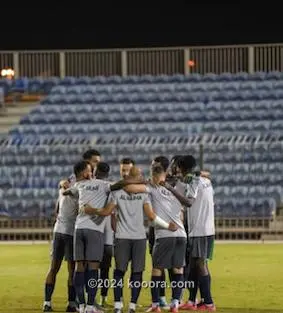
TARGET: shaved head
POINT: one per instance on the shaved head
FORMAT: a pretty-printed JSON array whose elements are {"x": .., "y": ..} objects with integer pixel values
[{"x": 135, "y": 172}]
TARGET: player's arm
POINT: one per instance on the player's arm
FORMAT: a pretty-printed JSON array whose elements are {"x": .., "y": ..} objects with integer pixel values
[
  {"x": 125, "y": 182},
  {"x": 113, "y": 221},
  {"x": 117, "y": 186},
  {"x": 107, "y": 210},
  {"x": 157, "y": 221},
  {"x": 110, "y": 207},
  {"x": 56, "y": 211},
  {"x": 185, "y": 201},
  {"x": 135, "y": 188}
]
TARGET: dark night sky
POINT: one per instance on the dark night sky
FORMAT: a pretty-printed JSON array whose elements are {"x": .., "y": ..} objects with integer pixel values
[{"x": 101, "y": 28}]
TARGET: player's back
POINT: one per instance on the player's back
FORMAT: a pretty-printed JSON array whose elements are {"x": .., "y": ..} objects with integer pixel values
[
  {"x": 130, "y": 214},
  {"x": 201, "y": 213},
  {"x": 167, "y": 207},
  {"x": 67, "y": 214},
  {"x": 95, "y": 193}
]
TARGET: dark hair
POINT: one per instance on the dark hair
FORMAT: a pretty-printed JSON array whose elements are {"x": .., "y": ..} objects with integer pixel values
[
  {"x": 80, "y": 167},
  {"x": 127, "y": 161},
  {"x": 157, "y": 169},
  {"x": 102, "y": 169},
  {"x": 187, "y": 163},
  {"x": 164, "y": 162},
  {"x": 90, "y": 153},
  {"x": 175, "y": 158}
]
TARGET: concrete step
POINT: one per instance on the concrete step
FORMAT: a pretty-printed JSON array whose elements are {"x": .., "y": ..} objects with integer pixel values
[
  {"x": 4, "y": 129},
  {"x": 9, "y": 120},
  {"x": 12, "y": 115},
  {"x": 19, "y": 111}
]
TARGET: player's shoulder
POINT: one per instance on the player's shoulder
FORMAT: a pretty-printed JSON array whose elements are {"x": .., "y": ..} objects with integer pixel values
[
  {"x": 152, "y": 187},
  {"x": 76, "y": 184},
  {"x": 205, "y": 182},
  {"x": 116, "y": 193},
  {"x": 100, "y": 181},
  {"x": 97, "y": 182}
]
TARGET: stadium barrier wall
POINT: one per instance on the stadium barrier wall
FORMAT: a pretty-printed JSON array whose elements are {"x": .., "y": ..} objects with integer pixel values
[
  {"x": 226, "y": 229},
  {"x": 155, "y": 61}
]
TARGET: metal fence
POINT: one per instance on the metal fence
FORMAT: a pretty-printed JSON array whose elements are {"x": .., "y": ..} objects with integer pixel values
[{"x": 155, "y": 61}]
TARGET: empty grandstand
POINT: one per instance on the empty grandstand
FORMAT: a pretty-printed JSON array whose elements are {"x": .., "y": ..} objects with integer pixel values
[{"x": 231, "y": 122}]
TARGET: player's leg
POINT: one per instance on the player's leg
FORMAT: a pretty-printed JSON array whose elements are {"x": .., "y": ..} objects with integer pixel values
[
  {"x": 178, "y": 262},
  {"x": 161, "y": 259},
  {"x": 205, "y": 248},
  {"x": 79, "y": 275},
  {"x": 104, "y": 273},
  {"x": 69, "y": 257},
  {"x": 72, "y": 305},
  {"x": 191, "y": 282},
  {"x": 162, "y": 295},
  {"x": 162, "y": 292},
  {"x": 122, "y": 255},
  {"x": 94, "y": 254},
  {"x": 138, "y": 266},
  {"x": 57, "y": 257},
  {"x": 191, "y": 277}
]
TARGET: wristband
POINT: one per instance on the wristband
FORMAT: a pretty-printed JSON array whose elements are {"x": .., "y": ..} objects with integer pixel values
[{"x": 160, "y": 222}]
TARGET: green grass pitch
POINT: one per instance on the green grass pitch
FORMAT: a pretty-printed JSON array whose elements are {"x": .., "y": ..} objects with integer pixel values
[{"x": 245, "y": 278}]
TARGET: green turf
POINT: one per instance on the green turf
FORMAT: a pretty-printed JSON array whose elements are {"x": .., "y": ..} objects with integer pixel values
[{"x": 246, "y": 278}]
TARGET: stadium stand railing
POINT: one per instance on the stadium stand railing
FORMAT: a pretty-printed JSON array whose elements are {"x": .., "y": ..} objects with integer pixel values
[
  {"x": 232, "y": 122},
  {"x": 155, "y": 61}
]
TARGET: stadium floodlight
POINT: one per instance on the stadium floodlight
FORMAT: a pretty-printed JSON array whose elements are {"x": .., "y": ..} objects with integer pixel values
[{"x": 8, "y": 73}]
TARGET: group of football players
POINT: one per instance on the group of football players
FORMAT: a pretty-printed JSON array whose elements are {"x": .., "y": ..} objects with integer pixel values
[{"x": 98, "y": 219}]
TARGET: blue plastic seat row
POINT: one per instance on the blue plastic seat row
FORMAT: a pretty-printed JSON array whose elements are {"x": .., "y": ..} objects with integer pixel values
[
  {"x": 26, "y": 194},
  {"x": 77, "y": 149},
  {"x": 107, "y": 108},
  {"x": 236, "y": 157},
  {"x": 211, "y": 160},
  {"x": 245, "y": 207},
  {"x": 44, "y": 85},
  {"x": 61, "y": 165},
  {"x": 168, "y": 87},
  {"x": 258, "y": 76},
  {"x": 179, "y": 128},
  {"x": 164, "y": 97},
  {"x": 65, "y": 147},
  {"x": 120, "y": 108},
  {"x": 246, "y": 168},
  {"x": 29, "y": 208},
  {"x": 41, "y": 180},
  {"x": 249, "y": 191},
  {"x": 177, "y": 116},
  {"x": 257, "y": 179}
]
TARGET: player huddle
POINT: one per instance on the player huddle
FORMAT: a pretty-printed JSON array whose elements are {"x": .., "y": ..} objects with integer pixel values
[{"x": 97, "y": 218}]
